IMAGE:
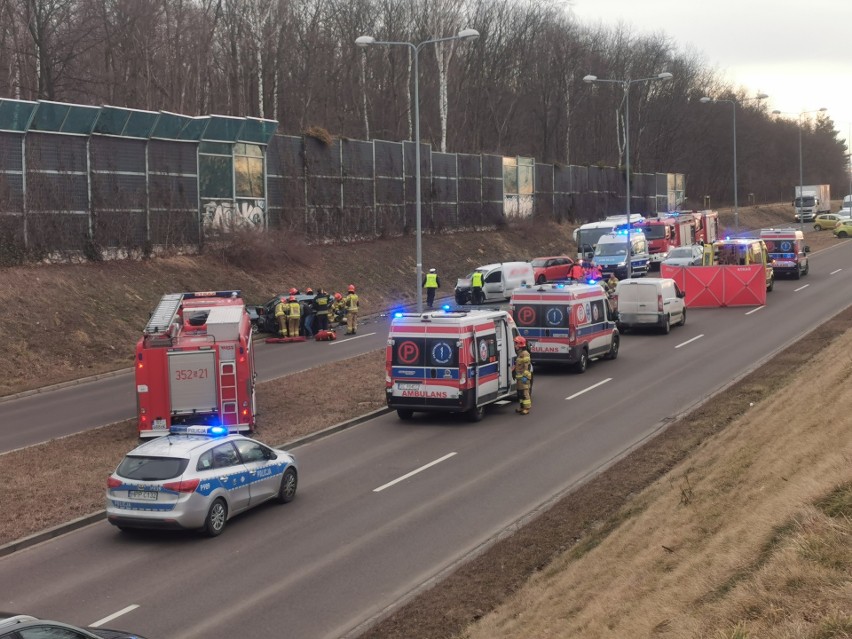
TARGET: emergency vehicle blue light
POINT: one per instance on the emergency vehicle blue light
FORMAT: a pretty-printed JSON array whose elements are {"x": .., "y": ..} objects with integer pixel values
[
  {"x": 398, "y": 314},
  {"x": 212, "y": 431},
  {"x": 445, "y": 307},
  {"x": 591, "y": 281}
]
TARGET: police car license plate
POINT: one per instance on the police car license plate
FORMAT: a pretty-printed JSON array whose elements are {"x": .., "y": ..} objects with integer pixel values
[
  {"x": 159, "y": 424},
  {"x": 145, "y": 495},
  {"x": 403, "y": 386}
]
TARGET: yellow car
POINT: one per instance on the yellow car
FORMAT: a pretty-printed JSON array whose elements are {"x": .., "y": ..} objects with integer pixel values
[
  {"x": 843, "y": 229},
  {"x": 827, "y": 221}
]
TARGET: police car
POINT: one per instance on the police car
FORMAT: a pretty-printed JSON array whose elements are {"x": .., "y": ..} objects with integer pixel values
[
  {"x": 26, "y": 626},
  {"x": 197, "y": 478}
]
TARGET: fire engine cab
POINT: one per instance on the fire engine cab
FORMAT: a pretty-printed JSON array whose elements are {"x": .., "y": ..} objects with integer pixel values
[
  {"x": 450, "y": 361},
  {"x": 566, "y": 323},
  {"x": 195, "y": 364}
]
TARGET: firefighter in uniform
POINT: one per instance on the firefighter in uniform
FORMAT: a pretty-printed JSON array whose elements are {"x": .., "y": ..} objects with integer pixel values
[
  {"x": 281, "y": 317},
  {"x": 337, "y": 310},
  {"x": 431, "y": 284},
  {"x": 523, "y": 376},
  {"x": 476, "y": 288},
  {"x": 322, "y": 302},
  {"x": 611, "y": 283},
  {"x": 350, "y": 303},
  {"x": 294, "y": 316}
]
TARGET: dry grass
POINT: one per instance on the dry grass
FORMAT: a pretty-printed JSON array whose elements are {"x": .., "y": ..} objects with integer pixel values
[
  {"x": 50, "y": 493},
  {"x": 730, "y": 543}
]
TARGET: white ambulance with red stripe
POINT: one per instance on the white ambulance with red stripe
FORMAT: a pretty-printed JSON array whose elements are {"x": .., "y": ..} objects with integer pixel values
[
  {"x": 450, "y": 361},
  {"x": 566, "y": 323}
]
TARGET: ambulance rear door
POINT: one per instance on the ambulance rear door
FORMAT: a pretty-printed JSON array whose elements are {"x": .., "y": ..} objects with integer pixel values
[{"x": 504, "y": 338}]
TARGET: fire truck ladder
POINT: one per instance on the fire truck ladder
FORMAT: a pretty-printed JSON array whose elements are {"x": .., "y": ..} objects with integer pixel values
[{"x": 164, "y": 314}]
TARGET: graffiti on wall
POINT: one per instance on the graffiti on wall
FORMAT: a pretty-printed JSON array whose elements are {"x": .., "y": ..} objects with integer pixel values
[{"x": 227, "y": 215}]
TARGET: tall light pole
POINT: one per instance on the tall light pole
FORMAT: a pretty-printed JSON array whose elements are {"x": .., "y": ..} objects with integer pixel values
[
  {"x": 733, "y": 103},
  {"x": 625, "y": 85},
  {"x": 801, "y": 173},
  {"x": 367, "y": 41}
]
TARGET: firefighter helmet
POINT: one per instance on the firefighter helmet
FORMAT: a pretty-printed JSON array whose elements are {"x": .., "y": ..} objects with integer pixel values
[
  {"x": 293, "y": 291},
  {"x": 351, "y": 288},
  {"x": 292, "y": 298},
  {"x": 309, "y": 291},
  {"x": 520, "y": 341},
  {"x": 338, "y": 296}
]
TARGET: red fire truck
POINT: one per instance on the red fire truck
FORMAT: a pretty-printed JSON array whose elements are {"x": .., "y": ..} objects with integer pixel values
[
  {"x": 702, "y": 227},
  {"x": 195, "y": 364}
]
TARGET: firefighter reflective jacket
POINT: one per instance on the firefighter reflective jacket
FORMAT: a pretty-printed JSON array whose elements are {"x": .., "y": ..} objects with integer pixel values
[
  {"x": 295, "y": 309},
  {"x": 321, "y": 304},
  {"x": 523, "y": 369},
  {"x": 351, "y": 302},
  {"x": 280, "y": 309}
]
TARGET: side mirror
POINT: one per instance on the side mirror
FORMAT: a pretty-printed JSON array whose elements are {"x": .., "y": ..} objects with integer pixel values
[
  {"x": 807, "y": 249},
  {"x": 681, "y": 294}
]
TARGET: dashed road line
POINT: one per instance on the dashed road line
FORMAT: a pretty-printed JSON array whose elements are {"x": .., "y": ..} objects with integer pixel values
[
  {"x": 114, "y": 615},
  {"x": 689, "y": 341},
  {"x": 413, "y": 472},
  {"x": 586, "y": 390}
]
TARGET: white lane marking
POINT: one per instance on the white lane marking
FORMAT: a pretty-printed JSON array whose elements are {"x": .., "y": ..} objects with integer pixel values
[
  {"x": 796, "y": 290},
  {"x": 413, "y": 472},
  {"x": 835, "y": 271},
  {"x": 114, "y": 615},
  {"x": 754, "y": 310},
  {"x": 586, "y": 390},
  {"x": 349, "y": 339},
  {"x": 689, "y": 341}
]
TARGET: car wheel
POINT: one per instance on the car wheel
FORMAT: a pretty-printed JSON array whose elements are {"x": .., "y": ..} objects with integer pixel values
[
  {"x": 475, "y": 414},
  {"x": 771, "y": 284},
  {"x": 817, "y": 227},
  {"x": 583, "y": 362},
  {"x": 667, "y": 325},
  {"x": 807, "y": 269},
  {"x": 404, "y": 413},
  {"x": 217, "y": 517},
  {"x": 841, "y": 234},
  {"x": 541, "y": 279},
  {"x": 460, "y": 299},
  {"x": 289, "y": 483},
  {"x": 683, "y": 317},
  {"x": 255, "y": 329},
  {"x": 613, "y": 348},
  {"x": 798, "y": 274}
]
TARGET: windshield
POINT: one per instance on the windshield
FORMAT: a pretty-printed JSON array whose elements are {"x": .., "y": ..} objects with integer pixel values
[
  {"x": 808, "y": 200},
  {"x": 151, "y": 468},
  {"x": 610, "y": 249},
  {"x": 539, "y": 263},
  {"x": 590, "y": 237},
  {"x": 681, "y": 252},
  {"x": 655, "y": 231}
]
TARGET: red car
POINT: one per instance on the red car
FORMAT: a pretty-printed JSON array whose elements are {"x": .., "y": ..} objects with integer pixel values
[{"x": 549, "y": 269}]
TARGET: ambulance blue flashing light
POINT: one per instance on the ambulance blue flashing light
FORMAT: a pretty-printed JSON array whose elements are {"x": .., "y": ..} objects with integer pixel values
[
  {"x": 211, "y": 431},
  {"x": 445, "y": 307},
  {"x": 398, "y": 314}
]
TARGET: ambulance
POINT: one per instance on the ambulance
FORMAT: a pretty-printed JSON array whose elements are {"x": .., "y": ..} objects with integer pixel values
[
  {"x": 787, "y": 251},
  {"x": 566, "y": 323},
  {"x": 450, "y": 361},
  {"x": 194, "y": 364}
]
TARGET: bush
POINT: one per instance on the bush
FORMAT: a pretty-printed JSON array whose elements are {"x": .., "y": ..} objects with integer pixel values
[{"x": 261, "y": 250}]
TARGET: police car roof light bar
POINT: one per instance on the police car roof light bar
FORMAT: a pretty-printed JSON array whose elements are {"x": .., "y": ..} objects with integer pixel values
[{"x": 210, "y": 431}]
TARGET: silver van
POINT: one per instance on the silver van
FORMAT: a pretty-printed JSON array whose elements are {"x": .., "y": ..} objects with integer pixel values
[{"x": 649, "y": 301}]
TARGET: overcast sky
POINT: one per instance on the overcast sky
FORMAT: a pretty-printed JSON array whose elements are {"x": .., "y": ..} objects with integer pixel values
[{"x": 800, "y": 53}]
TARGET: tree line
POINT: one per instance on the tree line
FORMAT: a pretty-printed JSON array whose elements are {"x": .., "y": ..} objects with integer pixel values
[{"x": 516, "y": 90}]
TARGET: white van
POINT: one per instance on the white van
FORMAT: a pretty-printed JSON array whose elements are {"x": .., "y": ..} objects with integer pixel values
[
  {"x": 498, "y": 281},
  {"x": 650, "y": 301},
  {"x": 611, "y": 253}
]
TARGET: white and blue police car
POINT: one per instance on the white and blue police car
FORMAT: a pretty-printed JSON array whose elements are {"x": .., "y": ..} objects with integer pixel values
[{"x": 197, "y": 478}]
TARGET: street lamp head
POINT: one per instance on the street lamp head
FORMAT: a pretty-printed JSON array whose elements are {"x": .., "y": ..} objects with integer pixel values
[
  {"x": 590, "y": 78},
  {"x": 365, "y": 41},
  {"x": 761, "y": 96},
  {"x": 705, "y": 100},
  {"x": 665, "y": 75},
  {"x": 776, "y": 112},
  {"x": 822, "y": 109},
  {"x": 468, "y": 34}
]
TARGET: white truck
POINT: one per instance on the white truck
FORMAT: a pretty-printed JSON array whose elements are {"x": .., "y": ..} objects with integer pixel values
[{"x": 811, "y": 200}]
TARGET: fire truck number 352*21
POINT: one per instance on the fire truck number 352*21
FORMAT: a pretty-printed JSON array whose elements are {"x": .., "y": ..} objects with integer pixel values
[{"x": 195, "y": 364}]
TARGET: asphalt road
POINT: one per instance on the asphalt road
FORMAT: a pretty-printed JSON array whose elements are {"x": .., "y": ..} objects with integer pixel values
[
  {"x": 56, "y": 413},
  {"x": 364, "y": 532}
]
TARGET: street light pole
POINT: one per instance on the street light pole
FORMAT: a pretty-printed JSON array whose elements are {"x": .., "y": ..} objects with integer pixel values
[
  {"x": 625, "y": 85},
  {"x": 733, "y": 103},
  {"x": 801, "y": 172},
  {"x": 366, "y": 41}
]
